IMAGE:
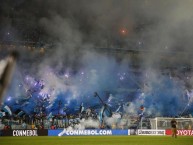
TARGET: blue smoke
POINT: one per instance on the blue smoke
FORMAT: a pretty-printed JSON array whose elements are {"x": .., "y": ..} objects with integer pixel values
[
  {"x": 166, "y": 97},
  {"x": 56, "y": 91}
]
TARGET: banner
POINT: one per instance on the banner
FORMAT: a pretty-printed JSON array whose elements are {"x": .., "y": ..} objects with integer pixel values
[
  {"x": 180, "y": 132},
  {"x": 94, "y": 132},
  {"x": 20, "y": 132},
  {"x": 150, "y": 132}
]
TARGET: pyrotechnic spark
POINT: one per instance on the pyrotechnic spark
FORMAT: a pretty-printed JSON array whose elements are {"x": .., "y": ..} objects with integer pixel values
[
  {"x": 123, "y": 31},
  {"x": 9, "y": 99},
  {"x": 66, "y": 75},
  {"x": 82, "y": 73}
]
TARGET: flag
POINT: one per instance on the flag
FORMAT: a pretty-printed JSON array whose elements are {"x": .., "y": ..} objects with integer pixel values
[
  {"x": 20, "y": 113},
  {"x": 7, "y": 109},
  {"x": 49, "y": 116},
  {"x": 2, "y": 114},
  {"x": 81, "y": 108}
]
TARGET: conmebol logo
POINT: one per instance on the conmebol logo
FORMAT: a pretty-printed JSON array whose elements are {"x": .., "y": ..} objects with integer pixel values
[
  {"x": 85, "y": 132},
  {"x": 25, "y": 133}
]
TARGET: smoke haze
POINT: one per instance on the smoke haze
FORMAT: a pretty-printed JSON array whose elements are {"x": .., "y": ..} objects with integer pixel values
[{"x": 72, "y": 70}]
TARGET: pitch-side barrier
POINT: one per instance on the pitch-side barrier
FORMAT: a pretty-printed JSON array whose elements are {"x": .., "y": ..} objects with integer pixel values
[{"x": 92, "y": 132}]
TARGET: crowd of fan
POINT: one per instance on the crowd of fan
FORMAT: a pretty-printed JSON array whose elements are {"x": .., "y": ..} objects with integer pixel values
[{"x": 35, "y": 123}]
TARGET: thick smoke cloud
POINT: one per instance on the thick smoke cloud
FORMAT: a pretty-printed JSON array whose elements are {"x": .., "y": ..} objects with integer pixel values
[{"x": 73, "y": 71}]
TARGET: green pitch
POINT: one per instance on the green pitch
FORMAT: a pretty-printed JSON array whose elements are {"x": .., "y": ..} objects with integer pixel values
[{"x": 98, "y": 140}]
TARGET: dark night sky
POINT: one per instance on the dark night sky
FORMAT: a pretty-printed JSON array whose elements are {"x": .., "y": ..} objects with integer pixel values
[
  {"x": 154, "y": 24},
  {"x": 93, "y": 19}
]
